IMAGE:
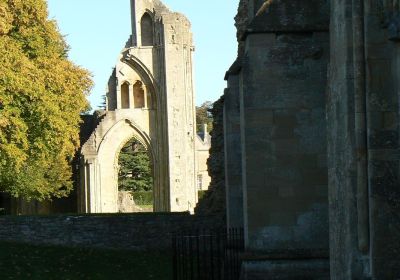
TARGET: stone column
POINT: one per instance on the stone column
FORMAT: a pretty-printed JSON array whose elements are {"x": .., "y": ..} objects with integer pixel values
[
  {"x": 364, "y": 71},
  {"x": 233, "y": 154},
  {"x": 118, "y": 93},
  {"x": 92, "y": 188},
  {"x": 83, "y": 188},
  {"x": 145, "y": 96},
  {"x": 87, "y": 185},
  {"x": 131, "y": 97}
]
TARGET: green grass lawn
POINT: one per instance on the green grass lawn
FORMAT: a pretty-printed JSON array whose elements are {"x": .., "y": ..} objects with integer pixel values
[
  {"x": 19, "y": 261},
  {"x": 147, "y": 207}
]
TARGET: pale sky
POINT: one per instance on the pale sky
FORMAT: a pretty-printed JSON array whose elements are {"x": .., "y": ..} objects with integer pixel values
[{"x": 96, "y": 31}]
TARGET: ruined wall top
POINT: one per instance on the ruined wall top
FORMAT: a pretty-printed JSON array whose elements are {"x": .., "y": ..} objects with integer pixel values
[
  {"x": 274, "y": 16},
  {"x": 286, "y": 15},
  {"x": 156, "y": 11},
  {"x": 241, "y": 22}
]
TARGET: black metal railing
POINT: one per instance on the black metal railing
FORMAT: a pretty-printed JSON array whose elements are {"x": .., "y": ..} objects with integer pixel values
[{"x": 208, "y": 254}]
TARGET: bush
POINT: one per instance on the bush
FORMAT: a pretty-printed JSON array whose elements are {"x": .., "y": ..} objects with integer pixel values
[
  {"x": 135, "y": 173},
  {"x": 143, "y": 198},
  {"x": 201, "y": 194}
]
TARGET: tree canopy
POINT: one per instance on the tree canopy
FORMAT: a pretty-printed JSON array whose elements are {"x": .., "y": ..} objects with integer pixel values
[
  {"x": 134, "y": 168},
  {"x": 42, "y": 95},
  {"x": 204, "y": 116}
]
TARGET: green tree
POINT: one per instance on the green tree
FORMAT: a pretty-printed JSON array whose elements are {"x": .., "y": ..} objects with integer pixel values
[
  {"x": 204, "y": 116},
  {"x": 41, "y": 97},
  {"x": 134, "y": 168}
]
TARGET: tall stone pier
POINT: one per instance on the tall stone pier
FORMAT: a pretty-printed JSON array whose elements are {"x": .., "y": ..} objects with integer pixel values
[
  {"x": 276, "y": 98},
  {"x": 363, "y": 140},
  {"x": 313, "y": 113}
]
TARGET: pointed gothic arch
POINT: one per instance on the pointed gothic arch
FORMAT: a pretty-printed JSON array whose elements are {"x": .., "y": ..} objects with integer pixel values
[
  {"x": 100, "y": 192},
  {"x": 99, "y": 173},
  {"x": 125, "y": 95},
  {"x": 147, "y": 30}
]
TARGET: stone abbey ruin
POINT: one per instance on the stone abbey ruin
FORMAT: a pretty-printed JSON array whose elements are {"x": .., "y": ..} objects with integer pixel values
[
  {"x": 313, "y": 103},
  {"x": 305, "y": 146},
  {"x": 151, "y": 98}
]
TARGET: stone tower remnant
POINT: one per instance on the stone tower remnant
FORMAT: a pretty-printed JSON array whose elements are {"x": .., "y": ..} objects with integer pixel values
[
  {"x": 151, "y": 98},
  {"x": 275, "y": 108},
  {"x": 313, "y": 103}
]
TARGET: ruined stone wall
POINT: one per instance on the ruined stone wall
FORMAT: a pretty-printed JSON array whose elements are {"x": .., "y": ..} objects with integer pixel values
[
  {"x": 281, "y": 75},
  {"x": 180, "y": 111},
  {"x": 284, "y": 148},
  {"x": 282, "y": 100},
  {"x": 241, "y": 22},
  {"x": 363, "y": 133},
  {"x": 213, "y": 202},
  {"x": 233, "y": 151},
  {"x": 140, "y": 232},
  {"x": 232, "y": 128},
  {"x": 280, "y": 81},
  {"x": 340, "y": 139}
]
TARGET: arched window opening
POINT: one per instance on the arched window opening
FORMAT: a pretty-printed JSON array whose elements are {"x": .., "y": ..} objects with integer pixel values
[
  {"x": 138, "y": 93},
  {"x": 135, "y": 180},
  {"x": 147, "y": 30},
  {"x": 125, "y": 96}
]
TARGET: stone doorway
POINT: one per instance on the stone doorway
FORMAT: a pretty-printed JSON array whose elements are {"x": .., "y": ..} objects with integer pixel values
[
  {"x": 135, "y": 178},
  {"x": 100, "y": 162}
]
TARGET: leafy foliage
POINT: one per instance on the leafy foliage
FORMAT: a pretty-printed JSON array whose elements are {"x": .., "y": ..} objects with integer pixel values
[
  {"x": 41, "y": 97},
  {"x": 201, "y": 194},
  {"x": 143, "y": 197},
  {"x": 134, "y": 168},
  {"x": 204, "y": 116}
]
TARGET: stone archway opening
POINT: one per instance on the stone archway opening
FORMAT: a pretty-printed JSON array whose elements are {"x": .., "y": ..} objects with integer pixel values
[{"x": 135, "y": 178}]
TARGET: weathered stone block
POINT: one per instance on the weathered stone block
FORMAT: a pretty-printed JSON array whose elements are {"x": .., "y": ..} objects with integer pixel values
[
  {"x": 383, "y": 139},
  {"x": 139, "y": 232},
  {"x": 291, "y": 16}
]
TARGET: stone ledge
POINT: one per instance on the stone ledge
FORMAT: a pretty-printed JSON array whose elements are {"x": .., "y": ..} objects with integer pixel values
[
  {"x": 286, "y": 255},
  {"x": 291, "y": 16},
  {"x": 311, "y": 269}
]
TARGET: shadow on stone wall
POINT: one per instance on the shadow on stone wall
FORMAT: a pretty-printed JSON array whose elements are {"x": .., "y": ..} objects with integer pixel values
[{"x": 213, "y": 202}]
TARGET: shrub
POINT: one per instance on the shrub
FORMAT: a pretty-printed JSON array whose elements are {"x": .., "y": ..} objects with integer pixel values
[
  {"x": 201, "y": 194},
  {"x": 143, "y": 197}
]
